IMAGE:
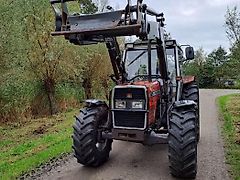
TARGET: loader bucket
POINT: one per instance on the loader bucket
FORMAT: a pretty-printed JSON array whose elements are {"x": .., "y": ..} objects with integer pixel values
[
  {"x": 93, "y": 28},
  {"x": 95, "y": 21},
  {"x": 114, "y": 23},
  {"x": 105, "y": 24}
]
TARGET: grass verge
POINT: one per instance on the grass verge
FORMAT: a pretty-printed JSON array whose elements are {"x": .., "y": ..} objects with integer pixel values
[
  {"x": 230, "y": 109},
  {"x": 26, "y": 145}
]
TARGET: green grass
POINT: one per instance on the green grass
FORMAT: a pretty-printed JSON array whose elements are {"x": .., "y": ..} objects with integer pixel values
[
  {"x": 238, "y": 84},
  {"x": 26, "y": 145},
  {"x": 230, "y": 109}
]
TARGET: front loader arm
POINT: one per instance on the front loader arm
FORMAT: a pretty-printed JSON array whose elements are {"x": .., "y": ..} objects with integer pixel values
[
  {"x": 105, "y": 27},
  {"x": 116, "y": 59},
  {"x": 101, "y": 27}
]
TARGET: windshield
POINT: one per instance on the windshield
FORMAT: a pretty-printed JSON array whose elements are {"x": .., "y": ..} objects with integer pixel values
[{"x": 136, "y": 62}]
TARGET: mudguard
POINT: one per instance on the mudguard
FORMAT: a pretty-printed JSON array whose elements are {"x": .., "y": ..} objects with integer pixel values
[
  {"x": 184, "y": 103},
  {"x": 95, "y": 102}
]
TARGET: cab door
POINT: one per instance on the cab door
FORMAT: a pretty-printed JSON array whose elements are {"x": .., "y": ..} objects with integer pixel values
[{"x": 172, "y": 70}]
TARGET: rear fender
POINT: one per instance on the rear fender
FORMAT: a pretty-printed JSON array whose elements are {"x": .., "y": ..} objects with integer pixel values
[
  {"x": 184, "y": 103},
  {"x": 103, "y": 112},
  {"x": 95, "y": 103}
]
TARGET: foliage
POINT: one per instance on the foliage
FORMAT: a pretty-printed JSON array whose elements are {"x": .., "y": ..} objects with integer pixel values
[
  {"x": 96, "y": 72},
  {"x": 87, "y": 6},
  {"x": 232, "y": 25},
  {"x": 218, "y": 67},
  {"x": 234, "y": 62},
  {"x": 16, "y": 96},
  {"x": 200, "y": 68},
  {"x": 218, "y": 61},
  {"x": 212, "y": 70},
  {"x": 39, "y": 74},
  {"x": 26, "y": 146},
  {"x": 229, "y": 107}
]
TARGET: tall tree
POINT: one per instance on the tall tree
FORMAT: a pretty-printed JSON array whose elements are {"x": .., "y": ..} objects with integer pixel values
[
  {"x": 201, "y": 68},
  {"x": 14, "y": 87},
  {"x": 232, "y": 24},
  {"x": 234, "y": 62},
  {"x": 51, "y": 59},
  {"x": 96, "y": 71},
  {"x": 34, "y": 65},
  {"x": 218, "y": 59}
]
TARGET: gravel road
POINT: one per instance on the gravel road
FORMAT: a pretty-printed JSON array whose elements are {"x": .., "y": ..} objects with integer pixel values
[{"x": 130, "y": 161}]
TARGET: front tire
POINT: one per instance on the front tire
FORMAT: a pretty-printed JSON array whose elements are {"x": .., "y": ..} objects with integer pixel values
[
  {"x": 183, "y": 143},
  {"x": 88, "y": 150},
  {"x": 191, "y": 92}
]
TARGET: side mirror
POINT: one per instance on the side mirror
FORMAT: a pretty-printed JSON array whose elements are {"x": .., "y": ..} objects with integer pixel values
[{"x": 189, "y": 51}]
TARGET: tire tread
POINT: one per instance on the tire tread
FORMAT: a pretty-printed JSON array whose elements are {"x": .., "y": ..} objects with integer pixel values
[
  {"x": 85, "y": 137},
  {"x": 183, "y": 143}
]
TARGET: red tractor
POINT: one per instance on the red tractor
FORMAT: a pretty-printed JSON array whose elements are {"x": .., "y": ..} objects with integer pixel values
[{"x": 152, "y": 101}]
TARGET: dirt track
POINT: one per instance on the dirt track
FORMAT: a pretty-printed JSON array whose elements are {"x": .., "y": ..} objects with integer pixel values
[{"x": 134, "y": 161}]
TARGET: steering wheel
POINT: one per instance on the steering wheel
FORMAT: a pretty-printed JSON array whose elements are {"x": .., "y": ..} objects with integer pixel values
[{"x": 144, "y": 77}]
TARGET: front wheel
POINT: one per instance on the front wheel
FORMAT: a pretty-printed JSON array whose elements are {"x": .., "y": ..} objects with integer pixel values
[
  {"x": 183, "y": 142},
  {"x": 191, "y": 92},
  {"x": 88, "y": 149}
]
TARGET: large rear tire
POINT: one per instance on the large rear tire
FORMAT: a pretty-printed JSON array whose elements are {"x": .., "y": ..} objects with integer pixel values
[
  {"x": 88, "y": 150},
  {"x": 182, "y": 143},
  {"x": 191, "y": 92}
]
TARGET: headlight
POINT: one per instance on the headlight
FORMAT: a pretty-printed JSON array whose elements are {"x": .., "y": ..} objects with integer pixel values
[
  {"x": 120, "y": 104},
  {"x": 137, "y": 104}
]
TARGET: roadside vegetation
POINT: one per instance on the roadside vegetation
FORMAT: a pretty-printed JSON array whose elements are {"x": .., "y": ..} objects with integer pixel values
[
  {"x": 41, "y": 75},
  {"x": 42, "y": 80},
  {"x": 219, "y": 68},
  {"x": 230, "y": 109},
  {"x": 26, "y": 145}
]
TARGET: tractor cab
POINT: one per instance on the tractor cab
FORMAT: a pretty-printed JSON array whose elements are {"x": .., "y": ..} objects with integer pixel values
[
  {"x": 136, "y": 62},
  {"x": 142, "y": 64}
]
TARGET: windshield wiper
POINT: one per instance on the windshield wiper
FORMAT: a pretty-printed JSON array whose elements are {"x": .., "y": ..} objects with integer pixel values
[{"x": 137, "y": 57}]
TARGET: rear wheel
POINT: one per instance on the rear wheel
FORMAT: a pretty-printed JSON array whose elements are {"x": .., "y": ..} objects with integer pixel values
[
  {"x": 183, "y": 143},
  {"x": 88, "y": 149},
  {"x": 191, "y": 92}
]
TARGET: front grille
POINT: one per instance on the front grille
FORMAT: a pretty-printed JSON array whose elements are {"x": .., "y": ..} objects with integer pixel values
[
  {"x": 137, "y": 93},
  {"x": 129, "y": 119}
]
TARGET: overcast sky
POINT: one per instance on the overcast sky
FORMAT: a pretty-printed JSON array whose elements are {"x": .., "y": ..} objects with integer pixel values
[{"x": 199, "y": 23}]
